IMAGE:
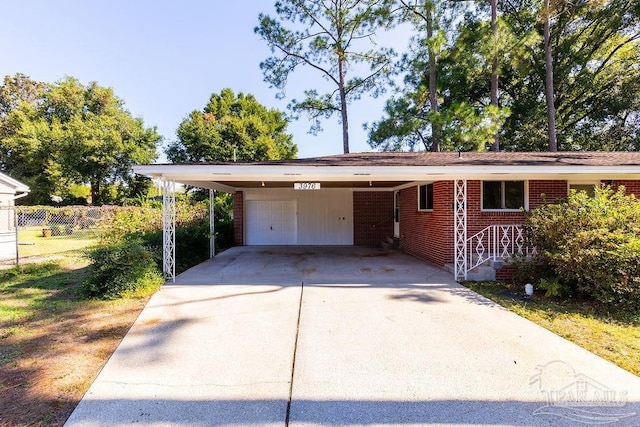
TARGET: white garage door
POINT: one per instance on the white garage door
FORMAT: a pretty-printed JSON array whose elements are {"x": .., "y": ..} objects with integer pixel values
[{"x": 271, "y": 222}]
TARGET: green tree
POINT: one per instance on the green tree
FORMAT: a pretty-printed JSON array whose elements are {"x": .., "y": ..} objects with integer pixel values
[
  {"x": 593, "y": 94},
  {"x": 495, "y": 61},
  {"x": 232, "y": 127},
  {"x": 334, "y": 38},
  {"x": 30, "y": 152},
  {"x": 549, "y": 92},
  {"x": 75, "y": 134},
  {"x": 16, "y": 90},
  {"x": 595, "y": 52},
  {"x": 423, "y": 13},
  {"x": 449, "y": 97},
  {"x": 19, "y": 96}
]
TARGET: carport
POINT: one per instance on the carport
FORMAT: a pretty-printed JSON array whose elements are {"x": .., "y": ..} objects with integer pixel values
[
  {"x": 335, "y": 200},
  {"x": 297, "y": 202}
]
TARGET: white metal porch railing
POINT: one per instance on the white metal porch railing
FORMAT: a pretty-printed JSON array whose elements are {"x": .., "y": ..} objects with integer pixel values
[{"x": 496, "y": 242}]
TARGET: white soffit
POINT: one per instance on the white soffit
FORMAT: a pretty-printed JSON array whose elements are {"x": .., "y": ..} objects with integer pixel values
[{"x": 220, "y": 173}]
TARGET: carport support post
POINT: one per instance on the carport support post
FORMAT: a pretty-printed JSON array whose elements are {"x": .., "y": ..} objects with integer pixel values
[
  {"x": 460, "y": 228},
  {"x": 15, "y": 224},
  {"x": 169, "y": 230},
  {"x": 212, "y": 224}
]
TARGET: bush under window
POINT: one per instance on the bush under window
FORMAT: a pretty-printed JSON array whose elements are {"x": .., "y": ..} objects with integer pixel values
[{"x": 590, "y": 246}]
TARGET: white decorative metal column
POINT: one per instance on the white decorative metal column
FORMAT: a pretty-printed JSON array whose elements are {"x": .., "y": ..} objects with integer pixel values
[
  {"x": 169, "y": 230},
  {"x": 212, "y": 224},
  {"x": 460, "y": 228}
]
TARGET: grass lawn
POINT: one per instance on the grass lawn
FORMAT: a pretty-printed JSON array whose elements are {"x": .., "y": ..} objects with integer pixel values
[
  {"x": 612, "y": 336},
  {"x": 53, "y": 342},
  {"x": 33, "y": 244}
]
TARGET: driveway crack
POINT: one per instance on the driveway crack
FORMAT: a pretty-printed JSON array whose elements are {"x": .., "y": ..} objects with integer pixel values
[{"x": 295, "y": 349}]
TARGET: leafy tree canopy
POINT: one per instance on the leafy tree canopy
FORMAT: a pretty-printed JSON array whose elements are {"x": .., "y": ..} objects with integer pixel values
[
  {"x": 596, "y": 63},
  {"x": 18, "y": 89},
  {"x": 56, "y": 135},
  {"x": 232, "y": 127},
  {"x": 464, "y": 118}
]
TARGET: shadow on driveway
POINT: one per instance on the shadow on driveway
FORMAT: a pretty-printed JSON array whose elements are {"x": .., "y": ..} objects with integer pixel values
[{"x": 351, "y": 412}]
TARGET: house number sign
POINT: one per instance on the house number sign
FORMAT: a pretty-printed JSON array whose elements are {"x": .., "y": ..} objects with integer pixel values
[{"x": 306, "y": 185}]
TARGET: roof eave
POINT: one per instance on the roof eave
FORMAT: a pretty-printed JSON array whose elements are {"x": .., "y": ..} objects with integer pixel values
[
  {"x": 13, "y": 183},
  {"x": 213, "y": 173}
]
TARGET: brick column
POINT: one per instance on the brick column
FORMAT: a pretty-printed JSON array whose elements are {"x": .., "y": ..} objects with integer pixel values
[{"x": 372, "y": 217}]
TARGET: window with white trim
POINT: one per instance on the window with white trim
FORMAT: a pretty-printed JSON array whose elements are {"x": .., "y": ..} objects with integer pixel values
[
  {"x": 503, "y": 195},
  {"x": 425, "y": 197},
  {"x": 587, "y": 187}
]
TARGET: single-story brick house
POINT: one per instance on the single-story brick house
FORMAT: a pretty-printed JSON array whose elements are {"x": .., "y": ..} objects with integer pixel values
[
  {"x": 461, "y": 210},
  {"x": 10, "y": 190}
]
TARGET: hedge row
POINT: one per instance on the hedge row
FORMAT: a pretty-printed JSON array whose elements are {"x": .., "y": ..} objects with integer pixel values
[{"x": 128, "y": 257}]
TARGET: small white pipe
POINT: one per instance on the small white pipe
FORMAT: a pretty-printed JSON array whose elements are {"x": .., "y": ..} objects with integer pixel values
[{"x": 20, "y": 196}]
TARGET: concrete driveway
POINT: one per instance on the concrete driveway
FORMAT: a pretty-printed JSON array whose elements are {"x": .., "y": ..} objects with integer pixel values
[{"x": 309, "y": 336}]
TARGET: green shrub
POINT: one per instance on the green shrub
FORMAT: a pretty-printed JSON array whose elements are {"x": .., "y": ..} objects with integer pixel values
[
  {"x": 530, "y": 270},
  {"x": 129, "y": 254},
  {"x": 591, "y": 247},
  {"x": 122, "y": 268},
  {"x": 224, "y": 235},
  {"x": 130, "y": 221},
  {"x": 553, "y": 288}
]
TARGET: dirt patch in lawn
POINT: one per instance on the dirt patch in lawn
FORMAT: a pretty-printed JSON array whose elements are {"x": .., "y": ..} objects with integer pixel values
[{"x": 53, "y": 343}]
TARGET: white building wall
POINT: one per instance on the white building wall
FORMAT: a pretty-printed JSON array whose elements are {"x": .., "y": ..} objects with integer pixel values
[
  {"x": 6, "y": 195},
  {"x": 7, "y": 246},
  {"x": 7, "y": 229}
]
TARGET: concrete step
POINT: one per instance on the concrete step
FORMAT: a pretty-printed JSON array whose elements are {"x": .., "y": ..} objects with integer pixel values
[
  {"x": 486, "y": 271},
  {"x": 390, "y": 243},
  {"x": 482, "y": 273},
  {"x": 498, "y": 263}
]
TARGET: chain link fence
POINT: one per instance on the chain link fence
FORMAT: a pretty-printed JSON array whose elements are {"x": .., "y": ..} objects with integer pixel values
[{"x": 38, "y": 233}]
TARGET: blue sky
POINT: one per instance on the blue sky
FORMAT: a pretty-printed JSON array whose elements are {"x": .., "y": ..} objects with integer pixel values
[{"x": 163, "y": 58}]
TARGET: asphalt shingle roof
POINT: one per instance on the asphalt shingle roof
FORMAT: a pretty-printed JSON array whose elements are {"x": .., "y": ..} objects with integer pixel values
[{"x": 563, "y": 158}]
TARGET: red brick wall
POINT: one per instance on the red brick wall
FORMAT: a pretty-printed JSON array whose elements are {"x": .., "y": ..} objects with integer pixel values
[
  {"x": 238, "y": 218},
  {"x": 541, "y": 192},
  {"x": 631, "y": 187},
  {"x": 428, "y": 235},
  {"x": 506, "y": 273},
  {"x": 372, "y": 217}
]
